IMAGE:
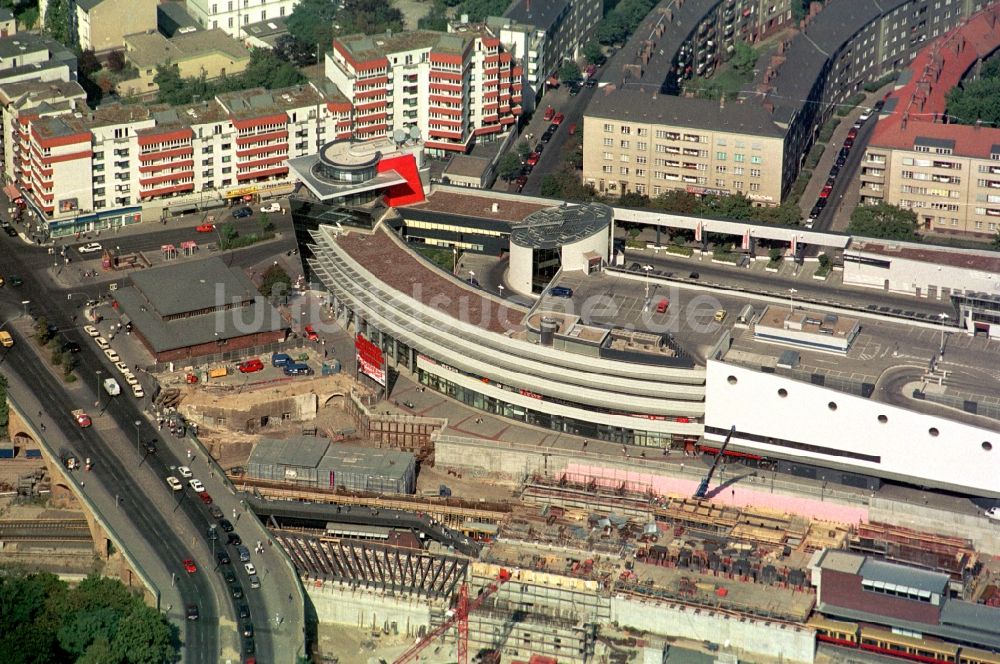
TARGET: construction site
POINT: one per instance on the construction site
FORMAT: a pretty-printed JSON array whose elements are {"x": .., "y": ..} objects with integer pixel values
[{"x": 529, "y": 553}]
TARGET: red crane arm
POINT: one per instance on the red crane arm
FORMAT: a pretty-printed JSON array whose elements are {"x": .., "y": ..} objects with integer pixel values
[{"x": 460, "y": 614}]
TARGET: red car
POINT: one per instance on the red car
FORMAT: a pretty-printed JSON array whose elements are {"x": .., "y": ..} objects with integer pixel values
[
  {"x": 852, "y": 133},
  {"x": 825, "y": 193},
  {"x": 549, "y": 112},
  {"x": 251, "y": 366},
  {"x": 190, "y": 567},
  {"x": 533, "y": 159},
  {"x": 572, "y": 129},
  {"x": 206, "y": 228},
  {"x": 311, "y": 333},
  {"x": 558, "y": 118},
  {"x": 662, "y": 306},
  {"x": 848, "y": 142},
  {"x": 520, "y": 182},
  {"x": 205, "y": 497}
]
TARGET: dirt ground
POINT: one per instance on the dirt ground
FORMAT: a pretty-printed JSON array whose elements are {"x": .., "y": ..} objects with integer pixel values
[
  {"x": 349, "y": 645},
  {"x": 12, "y": 469},
  {"x": 466, "y": 488},
  {"x": 413, "y": 11}
]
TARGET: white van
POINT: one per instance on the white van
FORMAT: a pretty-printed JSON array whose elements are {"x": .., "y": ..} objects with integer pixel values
[{"x": 112, "y": 387}]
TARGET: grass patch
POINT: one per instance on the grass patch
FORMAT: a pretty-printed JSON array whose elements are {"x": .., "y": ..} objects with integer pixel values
[
  {"x": 850, "y": 104},
  {"x": 885, "y": 80},
  {"x": 443, "y": 258},
  {"x": 724, "y": 255},
  {"x": 826, "y": 132},
  {"x": 680, "y": 251},
  {"x": 774, "y": 264}
]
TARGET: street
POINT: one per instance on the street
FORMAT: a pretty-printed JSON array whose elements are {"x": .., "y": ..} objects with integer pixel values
[{"x": 172, "y": 530}]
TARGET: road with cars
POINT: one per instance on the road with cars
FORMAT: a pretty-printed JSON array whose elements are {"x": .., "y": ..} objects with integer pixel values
[{"x": 176, "y": 530}]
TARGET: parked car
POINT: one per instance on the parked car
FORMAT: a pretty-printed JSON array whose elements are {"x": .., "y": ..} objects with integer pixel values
[
  {"x": 226, "y": 525},
  {"x": 720, "y": 315},
  {"x": 91, "y": 331},
  {"x": 205, "y": 228},
  {"x": 834, "y": 171},
  {"x": 196, "y": 485},
  {"x": 185, "y": 472},
  {"x": 693, "y": 275},
  {"x": 71, "y": 347},
  {"x": 112, "y": 387},
  {"x": 297, "y": 369},
  {"x": 243, "y": 212},
  {"x": 15, "y": 280},
  {"x": 519, "y": 183},
  {"x": 280, "y": 359},
  {"x": 82, "y": 418},
  {"x": 311, "y": 333},
  {"x": 561, "y": 291},
  {"x": 662, "y": 305},
  {"x": 243, "y": 552},
  {"x": 532, "y": 159},
  {"x": 825, "y": 191},
  {"x": 993, "y": 514},
  {"x": 558, "y": 119},
  {"x": 273, "y": 206},
  {"x": 175, "y": 484},
  {"x": 549, "y": 113},
  {"x": 868, "y": 112},
  {"x": 546, "y": 137},
  {"x": 591, "y": 82},
  {"x": 852, "y": 133},
  {"x": 89, "y": 248},
  {"x": 848, "y": 142},
  {"x": 251, "y": 366}
]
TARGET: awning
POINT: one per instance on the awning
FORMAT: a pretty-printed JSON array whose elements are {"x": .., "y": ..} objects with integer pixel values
[{"x": 12, "y": 192}]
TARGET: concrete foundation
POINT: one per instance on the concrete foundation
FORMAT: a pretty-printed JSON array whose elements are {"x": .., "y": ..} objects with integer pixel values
[
  {"x": 984, "y": 533},
  {"x": 746, "y": 638},
  {"x": 342, "y": 605}
]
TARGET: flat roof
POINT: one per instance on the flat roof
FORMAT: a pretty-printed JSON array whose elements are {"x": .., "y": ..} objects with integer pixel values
[
  {"x": 476, "y": 205},
  {"x": 776, "y": 317},
  {"x": 542, "y": 14},
  {"x": 841, "y": 561},
  {"x": 963, "y": 258},
  {"x": 648, "y": 105},
  {"x": 383, "y": 254},
  {"x": 172, "y": 17},
  {"x": 468, "y": 166},
  {"x": 369, "y": 47},
  {"x": 558, "y": 226},
  {"x": 149, "y": 49},
  {"x": 270, "y": 28},
  {"x": 301, "y": 451},
  {"x": 192, "y": 286}
]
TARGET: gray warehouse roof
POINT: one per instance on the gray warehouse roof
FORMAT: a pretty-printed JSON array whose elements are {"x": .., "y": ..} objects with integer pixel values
[
  {"x": 900, "y": 575},
  {"x": 558, "y": 226},
  {"x": 636, "y": 105},
  {"x": 319, "y": 453},
  {"x": 192, "y": 286}
]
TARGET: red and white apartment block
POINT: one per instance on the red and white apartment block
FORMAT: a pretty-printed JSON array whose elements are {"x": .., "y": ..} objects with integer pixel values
[{"x": 451, "y": 87}]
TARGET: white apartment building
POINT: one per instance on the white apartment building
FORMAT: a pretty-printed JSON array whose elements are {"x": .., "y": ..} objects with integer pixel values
[
  {"x": 90, "y": 170},
  {"x": 451, "y": 88},
  {"x": 232, "y": 15}
]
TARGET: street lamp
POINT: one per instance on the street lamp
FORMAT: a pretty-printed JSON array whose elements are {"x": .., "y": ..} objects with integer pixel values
[
  {"x": 944, "y": 317},
  {"x": 791, "y": 299},
  {"x": 472, "y": 277},
  {"x": 500, "y": 286},
  {"x": 98, "y": 403},
  {"x": 138, "y": 453},
  {"x": 25, "y": 304}
]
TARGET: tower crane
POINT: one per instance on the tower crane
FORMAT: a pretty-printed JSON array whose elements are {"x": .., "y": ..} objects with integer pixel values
[{"x": 460, "y": 616}]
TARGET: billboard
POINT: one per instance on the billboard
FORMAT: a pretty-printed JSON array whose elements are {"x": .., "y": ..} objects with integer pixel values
[{"x": 371, "y": 362}]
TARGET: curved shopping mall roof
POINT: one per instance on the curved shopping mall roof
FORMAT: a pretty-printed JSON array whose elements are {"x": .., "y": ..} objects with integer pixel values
[{"x": 558, "y": 226}]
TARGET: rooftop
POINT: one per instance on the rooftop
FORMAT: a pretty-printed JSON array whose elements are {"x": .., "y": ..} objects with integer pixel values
[
  {"x": 192, "y": 286},
  {"x": 558, "y": 226},
  {"x": 28, "y": 42},
  {"x": 841, "y": 561},
  {"x": 634, "y": 104},
  {"x": 149, "y": 49},
  {"x": 475, "y": 205},
  {"x": 255, "y": 102},
  {"x": 272, "y": 27},
  {"x": 32, "y": 93},
  {"x": 984, "y": 261},
  {"x": 917, "y": 106},
  {"x": 382, "y": 254},
  {"x": 370, "y": 47},
  {"x": 315, "y": 452},
  {"x": 542, "y": 15},
  {"x": 172, "y": 18},
  {"x": 466, "y": 166},
  {"x": 780, "y": 318},
  {"x": 901, "y": 575}
]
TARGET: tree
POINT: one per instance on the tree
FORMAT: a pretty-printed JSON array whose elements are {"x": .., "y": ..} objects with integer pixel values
[
  {"x": 116, "y": 61},
  {"x": 170, "y": 84},
  {"x": 479, "y": 10},
  {"x": 509, "y": 166},
  {"x": 228, "y": 232},
  {"x": 299, "y": 53},
  {"x": 735, "y": 206},
  {"x": 58, "y": 24},
  {"x": 884, "y": 221},
  {"x": 275, "y": 281},
  {"x": 311, "y": 22},
  {"x": 87, "y": 63},
  {"x": 523, "y": 149},
  {"x": 435, "y": 19},
  {"x": 744, "y": 58},
  {"x": 824, "y": 261},
  {"x": 267, "y": 70},
  {"x": 676, "y": 200},
  {"x": 4, "y": 408},
  {"x": 143, "y": 637},
  {"x": 593, "y": 52},
  {"x": 775, "y": 254},
  {"x": 569, "y": 71},
  {"x": 266, "y": 225}
]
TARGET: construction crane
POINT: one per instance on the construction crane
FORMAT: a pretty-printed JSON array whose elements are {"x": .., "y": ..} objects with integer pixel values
[
  {"x": 460, "y": 616},
  {"x": 703, "y": 487}
]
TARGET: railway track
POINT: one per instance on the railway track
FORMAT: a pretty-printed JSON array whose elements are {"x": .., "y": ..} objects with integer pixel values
[{"x": 45, "y": 530}]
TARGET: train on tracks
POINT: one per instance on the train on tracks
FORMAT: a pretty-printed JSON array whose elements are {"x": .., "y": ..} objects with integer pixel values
[{"x": 886, "y": 642}]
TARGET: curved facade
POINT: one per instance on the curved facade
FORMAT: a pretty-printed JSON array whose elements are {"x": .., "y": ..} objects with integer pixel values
[{"x": 474, "y": 347}]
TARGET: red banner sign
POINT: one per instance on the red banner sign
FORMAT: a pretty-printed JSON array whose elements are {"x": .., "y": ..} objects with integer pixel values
[{"x": 371, "y": 362}]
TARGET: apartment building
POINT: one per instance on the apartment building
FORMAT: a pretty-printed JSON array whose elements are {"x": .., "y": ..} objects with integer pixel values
[
  {"x": 948, "y": 174},
  {"x": 105, "y": 168},
  {"x": 451, "y": 88},
  {"x": 634, "y": 142},
  {"x": 30, "y": 57},
  {"x": 40, "y": 98},
  {"x": 101, "y": 25},
  {"x": 232, "y": 15}
]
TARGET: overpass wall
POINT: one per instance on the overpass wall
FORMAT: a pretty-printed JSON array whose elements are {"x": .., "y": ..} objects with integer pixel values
[
  {"x": 340, "y": 604},
  {"x": 747, "y": 638}
]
